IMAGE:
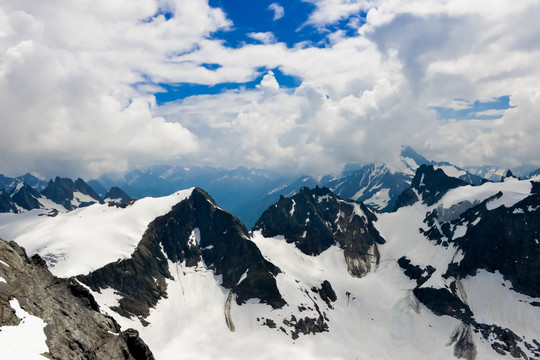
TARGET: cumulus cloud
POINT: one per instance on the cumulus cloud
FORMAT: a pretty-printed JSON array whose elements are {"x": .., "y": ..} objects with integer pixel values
[
  {"x": 83, "y": 100},
  {"x": 278, "y": 10},
  {"x": 67, "y": 78},
  {"x": 263, "y": 37}
]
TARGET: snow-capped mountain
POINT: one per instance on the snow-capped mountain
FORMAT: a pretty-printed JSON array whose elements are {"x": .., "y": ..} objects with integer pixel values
[
  {"x": 248, "y": 192},
  {"x": 452, "y": 273},
  {"x": 116, "y": 195},
  {"x": 491, "y": 173},
  {"x": 8, "y": 183},
  {"x": 496, "y": 174},
  {"x": 62, "y": 194},
  {"x": 376, "y": 185},
  {"x": 534, "y": 173}
]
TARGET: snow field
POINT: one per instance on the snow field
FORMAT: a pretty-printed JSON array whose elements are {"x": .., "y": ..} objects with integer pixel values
[
  {"x": 88, "y": 238},
  {"x": 25, "y": 341}
]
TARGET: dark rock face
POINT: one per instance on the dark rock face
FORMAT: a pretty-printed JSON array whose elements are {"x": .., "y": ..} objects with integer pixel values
[
  {"x": 117, "y": 195},
  {"x": 195, "y": 229},
  {"x": 406, "y": 198},
  {"x": 443, "y": 302},
  {"x": 62, "y": 190},
  {"x": 432, "y": 184},
  {"x": 326, "y": 292},
  {"x": 504, "y": 240},
  {"x": 6, "y": 204},
  {"x": 415, "y": 272},
  {"x": 26, "y": 197},
  {"x": 74, "y": 330},
  {"x": 137, "y": 348},
  {"x": 316, "y": 219}
]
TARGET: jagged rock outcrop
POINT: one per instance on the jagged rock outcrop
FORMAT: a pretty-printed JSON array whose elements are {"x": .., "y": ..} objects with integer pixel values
[
  {"x": 6, "y": 204},
  {"x": 75, "y": 329},
  {"x": 430, "y": 185},
  {"x": 316, "y": 219},
  {"x": 71, "y": 194},
  {"x": 116, "y": 195},
  {"x": 26, "y": 197},
  {"x": 505, "y": 239},
  {"x": 195, "y": 230},
  {"x": 483, "y": 235}
]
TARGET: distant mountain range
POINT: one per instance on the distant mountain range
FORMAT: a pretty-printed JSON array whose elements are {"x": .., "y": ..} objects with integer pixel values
[
  {"x": 62, "y": 194},
  {"x": 452, "y": 272},
  {"x": 248, "y": 192}
]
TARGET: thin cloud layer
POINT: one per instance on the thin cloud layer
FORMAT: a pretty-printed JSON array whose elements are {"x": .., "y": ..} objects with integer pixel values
[{"x": 78, "y": 83}]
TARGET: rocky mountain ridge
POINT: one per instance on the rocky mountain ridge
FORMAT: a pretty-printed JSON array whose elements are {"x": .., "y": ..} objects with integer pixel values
[
  {"x": 61, "y": 194},
  {"x": 62, "y": 317},
  {"x": 451, "y": 273}
]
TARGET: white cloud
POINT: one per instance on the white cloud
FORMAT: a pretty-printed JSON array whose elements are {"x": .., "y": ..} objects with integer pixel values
[
  {"x": 278, "y": 10},
  {"x": 269, "y": 82},
  {"x": 330, "y": 11},
  {"x": 76, "y": 84},
  {"x": 263, "y": 37},
  {"x": 66, "y": 83}
]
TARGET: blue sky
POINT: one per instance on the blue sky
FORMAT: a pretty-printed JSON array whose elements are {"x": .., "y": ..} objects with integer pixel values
[{"x": 88, "y": 88}]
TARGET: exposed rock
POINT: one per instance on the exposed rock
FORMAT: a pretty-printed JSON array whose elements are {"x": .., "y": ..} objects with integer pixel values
[
  {"x": 62, "y": 190},
  {"x": 326, "y": 292},
  {"x": 415, "y": 272},
  {"x": 407, "y": 198},
  {"x": 443, "y": 302},
  {"x": 26, "y": 197},
  {"x": 316, "y": 219},
  {"x": 137, "y": 348},
  {"x": 464, "y": 347},
  {"x": 505, "y": 240},
  {"x": 195, "y": 229},
  {"x": 505, "y": 341},
  {"x": 74, "y": 330},
  {"x": 6, "y": 204},
  {"x": 117, "y": 195},
  {"x": 432, "y": 184}
]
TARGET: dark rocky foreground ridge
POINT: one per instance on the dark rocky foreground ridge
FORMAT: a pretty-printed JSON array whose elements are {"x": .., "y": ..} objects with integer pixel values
[{"x": 75, "y": 328}]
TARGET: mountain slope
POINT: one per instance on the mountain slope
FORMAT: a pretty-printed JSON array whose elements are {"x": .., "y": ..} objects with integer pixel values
[
  {"x": 71, "y": 194},
  {"x": 316, "y": 219},
  {"x": 194, "y": 231},
  {"x": 450, "y": 274},
  {"x": 41, "y": 314},
  {"x": 467, "y": 242}
]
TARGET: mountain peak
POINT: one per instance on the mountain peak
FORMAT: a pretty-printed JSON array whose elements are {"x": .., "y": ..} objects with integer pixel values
[
  {"x": 316, "y": 219},
  {"x": 433, "y": 183}
]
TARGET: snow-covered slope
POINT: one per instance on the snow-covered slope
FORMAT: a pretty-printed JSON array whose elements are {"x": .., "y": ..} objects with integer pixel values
[
  {"x": 88, "y": 238},
  {"x": 451, "y": 274}
]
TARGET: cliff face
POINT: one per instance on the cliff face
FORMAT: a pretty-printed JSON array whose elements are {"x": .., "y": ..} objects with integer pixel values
[
  {"x": 316, "y": 219},
  {"x": 196, "y": 231},
  {"x": 72, "y": 326}
]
